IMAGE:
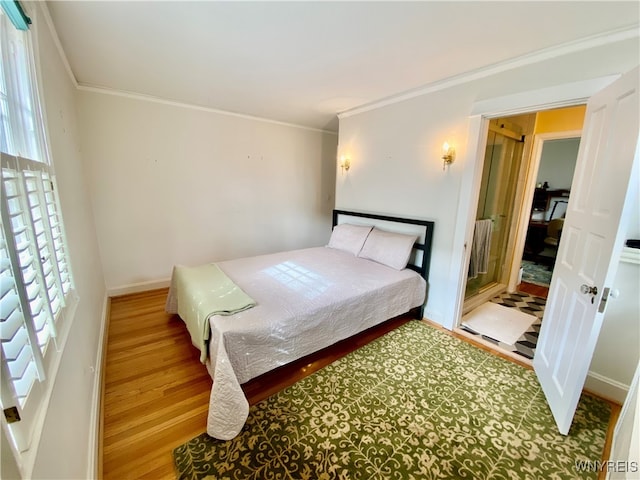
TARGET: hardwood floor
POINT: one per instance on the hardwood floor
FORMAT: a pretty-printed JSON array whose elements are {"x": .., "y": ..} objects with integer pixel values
[
  {"x": 156, "y": 391},
  {"x": 533, "y": 289}
]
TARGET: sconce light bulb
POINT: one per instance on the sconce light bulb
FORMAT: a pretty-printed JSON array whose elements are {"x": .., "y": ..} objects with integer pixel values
[
  {"x": 345, "y": 163},
  {"x": 448, "y": 154}
]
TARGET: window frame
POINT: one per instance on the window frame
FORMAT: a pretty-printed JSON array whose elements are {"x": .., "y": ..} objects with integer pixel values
[{"x": 39, "y": 174}]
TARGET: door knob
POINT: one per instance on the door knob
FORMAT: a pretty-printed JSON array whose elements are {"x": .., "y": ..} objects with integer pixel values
[{"x": 586, "y": 289}]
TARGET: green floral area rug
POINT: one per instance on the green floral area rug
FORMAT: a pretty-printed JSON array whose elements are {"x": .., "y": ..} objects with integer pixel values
[{"x": 414, "y": 404}]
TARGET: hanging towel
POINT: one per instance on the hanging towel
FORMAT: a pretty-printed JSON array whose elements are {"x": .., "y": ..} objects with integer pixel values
[{"x": 480, "y": 247}]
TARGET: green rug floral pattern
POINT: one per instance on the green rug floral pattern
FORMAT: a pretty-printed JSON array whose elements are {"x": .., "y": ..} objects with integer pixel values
[{"x": 414, "y": 404}]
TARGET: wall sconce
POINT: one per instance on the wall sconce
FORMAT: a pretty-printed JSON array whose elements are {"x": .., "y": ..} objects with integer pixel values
[
  {"x": 345, "y": 163},
  {"x": 448, "y": 155}
]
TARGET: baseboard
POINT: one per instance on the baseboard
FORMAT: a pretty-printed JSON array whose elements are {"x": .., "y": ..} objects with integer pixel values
[
  {"x": 138, "y": 287},
  {"x": 94, "y": 468},
  {"x": 606, "y": 387}
]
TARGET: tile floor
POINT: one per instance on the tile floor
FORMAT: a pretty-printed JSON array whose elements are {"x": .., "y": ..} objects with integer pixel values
[{"x": 526, "y": 344}]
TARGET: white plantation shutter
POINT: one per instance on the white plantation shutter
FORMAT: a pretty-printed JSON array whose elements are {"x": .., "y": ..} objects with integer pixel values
[
  {"x": 17, "y": 347},
  {"x": 36, "y": 286},
  {"x": 22, "y": 366},
  {"x": 36, "y": 281}
]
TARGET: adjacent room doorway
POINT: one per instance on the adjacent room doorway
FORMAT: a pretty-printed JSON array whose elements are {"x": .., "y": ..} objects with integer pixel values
[
  {"x": 525, "y": 183},
  {"x": 525, "y": 187},
  {"x": 591, "y": 246}
]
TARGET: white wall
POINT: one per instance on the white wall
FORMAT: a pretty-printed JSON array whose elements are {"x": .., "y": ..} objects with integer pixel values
[
  {"x": 396, "y": 169},
  {"x": 395, "y": 151},
  {"x": 8, "y": 466},
  {"x": 558, "y": 162},
  {"x": 65, "y": 445},
  {"x": 172, "y": 184},
  {"x": 618, "y": 349}
]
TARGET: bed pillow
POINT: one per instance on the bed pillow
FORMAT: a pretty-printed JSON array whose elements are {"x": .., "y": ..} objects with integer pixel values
[
  {"x": 348, "y": 237},
  {"x": 388, "y": 248}
]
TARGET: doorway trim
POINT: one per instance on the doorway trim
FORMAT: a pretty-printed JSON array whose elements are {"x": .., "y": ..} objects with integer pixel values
[{"x": 564, "y": 95}]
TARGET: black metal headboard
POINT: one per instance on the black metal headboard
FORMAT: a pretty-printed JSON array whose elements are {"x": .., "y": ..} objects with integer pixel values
[{"x": 425, "y": 247}]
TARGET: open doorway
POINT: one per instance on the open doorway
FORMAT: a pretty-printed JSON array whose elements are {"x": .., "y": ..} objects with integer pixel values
[
  {"x": 526, "y": 182},
  {"x": 602, "y": 197}
]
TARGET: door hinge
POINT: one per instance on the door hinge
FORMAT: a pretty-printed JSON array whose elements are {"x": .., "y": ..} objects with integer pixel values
[
  {"x": 11, "y": 414},
  {"x": 603, "y": 300}
]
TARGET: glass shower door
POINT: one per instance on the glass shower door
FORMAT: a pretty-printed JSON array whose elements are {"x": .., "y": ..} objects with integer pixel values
[{"x": 496, "y": 202}]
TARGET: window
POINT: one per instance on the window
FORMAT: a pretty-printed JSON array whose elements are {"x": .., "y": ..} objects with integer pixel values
[{"x": 37, "y": 292}]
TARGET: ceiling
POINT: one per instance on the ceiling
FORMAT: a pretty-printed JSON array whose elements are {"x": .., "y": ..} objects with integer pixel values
[{"x": 302, "y": 62}]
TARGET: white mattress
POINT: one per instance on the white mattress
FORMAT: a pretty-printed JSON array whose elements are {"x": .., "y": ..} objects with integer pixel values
[{"x": 306, "y": 300}]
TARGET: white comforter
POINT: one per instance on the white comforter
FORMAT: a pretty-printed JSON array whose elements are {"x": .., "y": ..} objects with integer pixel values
[{"x": 306, "y": 300}]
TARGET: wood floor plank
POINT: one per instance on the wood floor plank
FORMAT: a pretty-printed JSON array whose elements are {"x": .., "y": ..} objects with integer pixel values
[
  {"x": 532, "y": 289},
  {"x": 178, "y": 390},
  {"x": 156, "y": 391},
  {"x": 128, "y": 425}
]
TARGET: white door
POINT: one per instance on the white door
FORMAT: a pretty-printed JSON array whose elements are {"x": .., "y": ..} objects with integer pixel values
[{"x": 606, "y": 177}]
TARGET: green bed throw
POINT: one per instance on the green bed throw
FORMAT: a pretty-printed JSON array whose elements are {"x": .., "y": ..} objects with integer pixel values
[{"x": 202, "y": 292}]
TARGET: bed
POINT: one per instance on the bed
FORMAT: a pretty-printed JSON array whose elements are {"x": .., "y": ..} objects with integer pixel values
[{"x": 283, "y": 306}]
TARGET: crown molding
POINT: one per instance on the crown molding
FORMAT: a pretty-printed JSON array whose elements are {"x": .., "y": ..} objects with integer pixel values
[
  {"x": 150, "y": 98},
  {"x": 582, "y": 44}
]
